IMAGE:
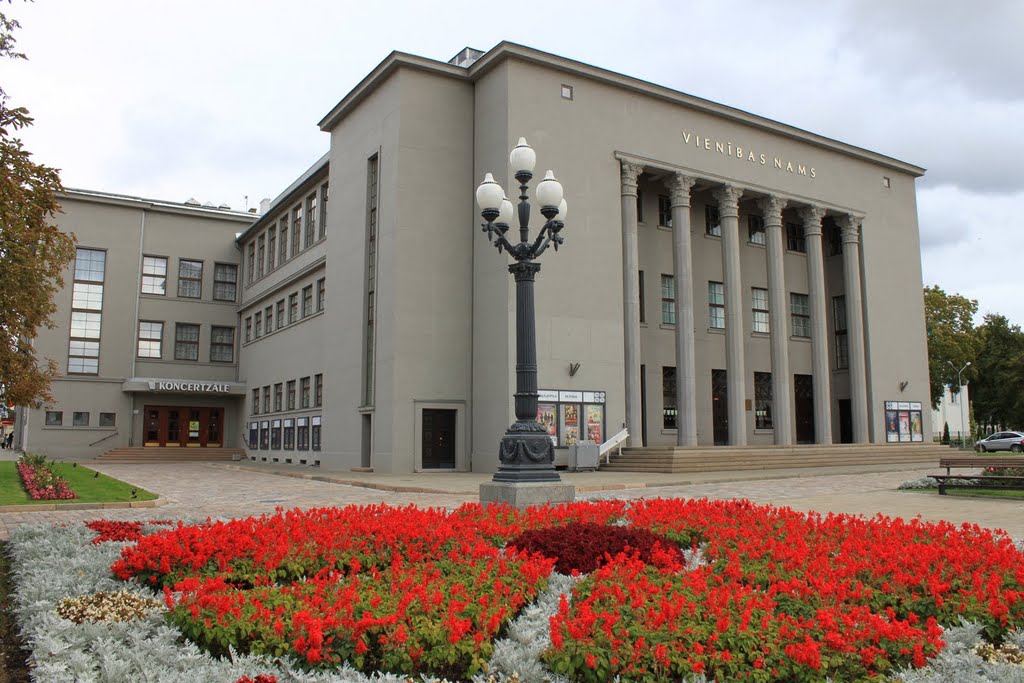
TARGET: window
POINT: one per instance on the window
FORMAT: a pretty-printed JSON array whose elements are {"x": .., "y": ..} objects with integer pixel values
[
  {"x": 318, "y": 390},
  {"x": 324, "y": 191},
  {"x": 107, "y": 419},
  {"x": 186, "y": 342},
  {"x": 835, "y": 239},
  {"x": 800, "y": 314},
  {"x": 321, "y": 293},
  {"x": 289, "y": 435},
  {"x": 668, "y": 395},
  {"x": 712, "y": 223},
  {"x": 154, "y": 275},
  {"x": 275, "y": 435},
  {"x": 370, "y": 261},
  {"x": 317, "y": 434},
  {"x": 278, "y": 397},
  {"x": 86, "y": 312},
  {"x": 280, "y": 314},
  {"x": 664, "y": 211},
  {"x": 759, "y": 298},
  {"x": 271, "y": 247},
  {"x": 255, "y": 401},
  {"x": 307, "y": 301},
  {"x": 268, "y": 315},
  {"x": 225, "y": 279},
  {"x": 310, "y": 220},
  {"x": 266, "y": 399},
  {"x": 755, "y": 229},
  {"x": 716, "y": 306},
  {"x": 261, "y": 254},
  {"x": 54, "y": 418},
  {"x": 282, "y": 255},
  {"x": 258, "y": 321},
  {"x": 668, "y": 300},
  {"x": 303, "y": 434},
  {"x": 639, "y": 206},
  {"x": 80, "y": 419},
  {"x": 296, "y": 229},
  {"x": 566, "y": 92},
  {"x": 842, "y": 339},
  {"x": 763, "y": 400},
  {"x": 151, "y": 339},
  {"x": 291, "y": 394},
  {"x": 248, "y": 329},
  {"x": 222, "y": 344},
  {"x": 252, "y": 262},
  {"x": 795, "y": 240},
  {"x": 886, "y": 181},
  {"x": 304, "y": 393},
  {"x": 643, "y": 307},
  {"x": 293, "y": 308},
  {"x": 190, "y": 279},
  {"x": 265, "y": 435}
]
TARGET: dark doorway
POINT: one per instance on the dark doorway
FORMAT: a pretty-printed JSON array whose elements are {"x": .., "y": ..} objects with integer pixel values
[
  {"x": 643, "y": 404},
  {"x": 719, "y": 407},
  {"x": 367, "y": 439},
  {"x": 845, "y": 421},
  {"x": 438, "y": 439},
  {"x": 803, "y": 391}
]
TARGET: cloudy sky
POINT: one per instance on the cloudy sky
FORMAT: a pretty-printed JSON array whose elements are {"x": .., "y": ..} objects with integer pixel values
[{"x": 219, "y": 99}]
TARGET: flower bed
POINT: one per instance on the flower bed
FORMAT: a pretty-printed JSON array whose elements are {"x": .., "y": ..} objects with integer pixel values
[{"x": 40, "y": 481}]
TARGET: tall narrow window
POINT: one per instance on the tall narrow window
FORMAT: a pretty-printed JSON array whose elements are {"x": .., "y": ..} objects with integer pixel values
[
  {"x": 716, "y": 306},
  {"x": 668, "y": 300},
  {"x": 261, "y": 254},
  {"x": 643, "y": 307},
  {"x": 86, "y": 311},
  {"x": 664, "y": 211},
  {"x": 248, "y": 329},
  {"x": 304, "y": 393},
  {"x": 307, "y": 301},
  {"x": 321, "y": 293},
  {"x": 712, "y": 223},
  {"x": 639, "y": 206},
  {"x": 151, "y": 339},
  {"x": 282, "y": 254},
  {"x": 324, "y": 192},
  {"x": 296, "y": 229},
  {"x": 291, "y": 394},
  {"x": 222, "y": 344},
  {"x": 369, "y": 338},
  {"x": 318, "y": 390},
  {"x": 268, "y": 317},
  {"x": 755, "y": 230},
  {"x": 154, "y": 275},
  {"x": 759, "y": 299},
  {"x": 190, "y": 278},
  {"x": 800, "y": 314},
  {"x": 186, "y": 342},
  {"x": 271, "y": 247},
  {"x": 266, "y": 399},
  {"x": 278, "y": 397},
  {"x": 795, "y": 240},
  {"x": 842, "y": 339},
  {"x": 225, "y": 281},
  {"x": 763, "y": 400},
  {"x": 256, "y": 401},
  {"x": 834, "y": 238},
  {"x": 252, "y": 263},
  {"x": 258, "y": 318},
  {"x": 293, "y": 308},
  {"x": 280, "y": 313},
  {"x": 310, "y": 220},
  {"x": 668, "y": 398}
]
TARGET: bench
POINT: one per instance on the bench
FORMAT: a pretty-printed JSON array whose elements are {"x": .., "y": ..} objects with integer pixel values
[{"x": 979, "y": 461}]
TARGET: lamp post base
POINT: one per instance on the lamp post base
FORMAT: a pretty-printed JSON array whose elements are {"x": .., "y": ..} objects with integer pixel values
[
  {"x": 526, "y": 455},
  {"x": 522, "y": 495}
]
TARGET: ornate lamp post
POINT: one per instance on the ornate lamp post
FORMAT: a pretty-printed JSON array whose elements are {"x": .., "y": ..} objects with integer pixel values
[{"x": 526, "y": 455}]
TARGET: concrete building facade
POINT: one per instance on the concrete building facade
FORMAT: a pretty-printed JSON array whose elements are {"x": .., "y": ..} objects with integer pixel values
[{"x": 726, "y": 279}]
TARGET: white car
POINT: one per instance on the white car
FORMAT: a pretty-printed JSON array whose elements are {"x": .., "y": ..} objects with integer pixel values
[{"x": 1001, "y": 441}]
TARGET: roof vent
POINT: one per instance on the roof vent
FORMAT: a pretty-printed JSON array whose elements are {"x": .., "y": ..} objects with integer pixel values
[
  {"x": 209, "y": 205},
  {"x": 191, "y": 201},
  {"x": 466, "y": 57},
  {"x": 224, "y": 206}
]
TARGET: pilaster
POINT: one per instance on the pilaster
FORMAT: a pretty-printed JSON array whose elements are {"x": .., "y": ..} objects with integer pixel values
[{"x": 630, "y": 175}]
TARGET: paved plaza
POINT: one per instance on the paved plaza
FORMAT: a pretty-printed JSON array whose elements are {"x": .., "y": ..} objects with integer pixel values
[{"x": 199, "y": 490}]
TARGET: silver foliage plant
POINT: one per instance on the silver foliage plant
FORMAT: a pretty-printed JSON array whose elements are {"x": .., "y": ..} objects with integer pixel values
[{"x": 53, "y": 562}]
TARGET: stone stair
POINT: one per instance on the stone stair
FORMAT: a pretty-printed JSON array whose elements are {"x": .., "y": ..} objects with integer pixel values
[
  {"x": 674, "y": 460},
  {"x": 171, "y": 454}
]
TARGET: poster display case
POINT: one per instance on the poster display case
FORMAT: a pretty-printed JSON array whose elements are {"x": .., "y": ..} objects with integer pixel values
[
  {"x": 903, "y": 422},
  {"x": 571, "y": 416}
]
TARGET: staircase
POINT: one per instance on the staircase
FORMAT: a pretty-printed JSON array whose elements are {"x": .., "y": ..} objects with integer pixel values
[
  {"x": 674, "y": 460},
  {"x": 171, "y": 454}
]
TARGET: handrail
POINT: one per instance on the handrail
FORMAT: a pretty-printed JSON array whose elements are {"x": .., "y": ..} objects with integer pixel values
[
  {"x": 611, "y": 443},
  {"x": 103, "y": 439}
]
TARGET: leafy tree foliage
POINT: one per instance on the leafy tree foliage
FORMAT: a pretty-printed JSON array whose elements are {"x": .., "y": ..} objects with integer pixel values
[
  {"x": 952, "y": 340},
  {"x": 996, "y": 393},
  {"x": 33, "y": 252}
]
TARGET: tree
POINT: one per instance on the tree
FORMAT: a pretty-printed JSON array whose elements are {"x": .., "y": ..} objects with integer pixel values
[
  {"x": 33, "y": 252},
  {"x": 996, "y": 394},
  {"x": 952, "y": 340}
]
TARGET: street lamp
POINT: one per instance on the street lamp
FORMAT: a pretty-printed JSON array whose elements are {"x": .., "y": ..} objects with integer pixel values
[
  {"x": 526, "y": 454},
  {"x": 960, "y": 391}
]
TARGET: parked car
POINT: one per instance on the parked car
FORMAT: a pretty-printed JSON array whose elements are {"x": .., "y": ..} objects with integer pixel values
[{"x": 1001, "y": 441}]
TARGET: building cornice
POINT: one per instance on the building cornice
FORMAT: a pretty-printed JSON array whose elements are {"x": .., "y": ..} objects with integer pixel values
[{"x": 154, "y": 205}]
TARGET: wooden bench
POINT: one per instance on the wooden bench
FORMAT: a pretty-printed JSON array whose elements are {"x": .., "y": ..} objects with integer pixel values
[{"x": 983, "y": 482}]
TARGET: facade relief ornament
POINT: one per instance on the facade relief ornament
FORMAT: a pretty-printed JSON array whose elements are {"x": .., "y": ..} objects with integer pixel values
[
  {"x": 679, "y": 187},
  {"x": 728, "y": 197},
  {"x": 630, "y": 176},
  {"x": 771, "y": 209},
  {"x": 850, "y": 226},
  {"x": 812, "y": 217}
]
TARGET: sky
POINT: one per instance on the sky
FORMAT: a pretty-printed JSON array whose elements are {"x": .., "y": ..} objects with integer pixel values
[{"x": 218, "y": 100}]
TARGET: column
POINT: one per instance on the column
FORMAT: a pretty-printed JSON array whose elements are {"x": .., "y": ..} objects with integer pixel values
[
  {"x": 728, "y": 197},
  {"x": 782, "y": 385},
  {"x": 855, "y": 327},
  {"x": 631, "y": 301},
  {"x": 679, "y": 186},
  {"x": 822, "y": 376}
]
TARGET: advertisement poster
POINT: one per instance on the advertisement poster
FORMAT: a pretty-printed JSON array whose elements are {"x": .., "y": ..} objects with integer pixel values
[
  {"x": 904, "y": 425},
  {"x": 570, "y": 414},
  {"x": 916, "y": 431},
  {"x": 595, "y": 422},
  {"x": 546, "y": 416},
  {"x": 892, "y": 426}
]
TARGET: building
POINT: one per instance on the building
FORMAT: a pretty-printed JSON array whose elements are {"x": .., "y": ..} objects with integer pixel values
[
  {"x": 696, "y": 232},
  {"x": 954, "y": 410}
]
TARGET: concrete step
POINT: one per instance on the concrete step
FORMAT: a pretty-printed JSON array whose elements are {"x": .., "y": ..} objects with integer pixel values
[{"x": 170, "y": 454}]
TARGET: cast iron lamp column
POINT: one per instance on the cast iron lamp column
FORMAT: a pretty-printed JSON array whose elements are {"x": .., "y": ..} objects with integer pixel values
[
  {"x": 960, "y": 392},
  {"x": 526, "y": 454}
]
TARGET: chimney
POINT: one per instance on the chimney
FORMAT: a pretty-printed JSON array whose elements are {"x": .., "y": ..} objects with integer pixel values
[{"x": 264, "y": 205}]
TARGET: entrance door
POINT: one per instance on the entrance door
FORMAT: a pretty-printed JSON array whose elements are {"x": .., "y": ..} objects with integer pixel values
[
  {"x": 183, "y": 426},
  {"x": 438, "y": 439},
  {"x": 803, "y": 390},
  {"x": 845, "y": 421},
  {"x": 719, "y": 407}
]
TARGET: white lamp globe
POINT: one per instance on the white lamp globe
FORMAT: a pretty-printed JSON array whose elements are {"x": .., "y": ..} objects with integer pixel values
[
  {"x": 549, "y": 191},
  {"x": 563, "y": 210},
  {"x": 489, "y": 194},
  {"x": 505, "y": 212},
  {"x": 522, "y": 158}
]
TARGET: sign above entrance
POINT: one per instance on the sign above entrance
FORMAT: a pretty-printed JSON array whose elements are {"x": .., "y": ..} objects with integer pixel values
[
  {"x": 184, "y": 386},
  {"x": 202, "y": 387}
]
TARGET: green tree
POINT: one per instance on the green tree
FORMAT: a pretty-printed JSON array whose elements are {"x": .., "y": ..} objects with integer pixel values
[
  {"x": 996, "y": 393},
  {"x": 952, "y": 340},
  {"x": 33, "y": 252}
]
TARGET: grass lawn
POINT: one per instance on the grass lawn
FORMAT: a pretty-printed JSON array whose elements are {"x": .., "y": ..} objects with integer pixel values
[
  {"x": 970, "y": 492},
  {"x": 89, "y": 485}
]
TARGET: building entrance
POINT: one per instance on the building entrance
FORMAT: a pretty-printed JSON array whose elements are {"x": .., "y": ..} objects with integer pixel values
[
  {"x": 184, "y": 426},
  {"x": 438, "y": 439},
  {"x": 719, "y": 407},
  {"x": 803, "y": 389}
]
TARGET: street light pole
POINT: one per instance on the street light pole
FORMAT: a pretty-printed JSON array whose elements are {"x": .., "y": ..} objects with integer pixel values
[
  {"x": 960, "y": 391},
  {"x": 526, "y": 454}
]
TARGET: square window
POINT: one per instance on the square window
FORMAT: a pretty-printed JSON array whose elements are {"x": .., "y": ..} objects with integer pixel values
[
  {"x": 154, "y": 275},
  {"x": 566, "y": 92},
  {"x": 107, "y": 419},
  {"x": 886, "y": 181},
  {"x": 54, "y": 418},
  {"x": 80, "y": 419}
]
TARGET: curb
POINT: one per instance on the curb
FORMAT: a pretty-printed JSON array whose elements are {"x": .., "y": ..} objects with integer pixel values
[{"x": 54, "y": 507}]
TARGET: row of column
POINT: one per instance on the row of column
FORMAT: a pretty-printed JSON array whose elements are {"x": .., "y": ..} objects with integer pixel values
[{"x": 771, "y": 207}]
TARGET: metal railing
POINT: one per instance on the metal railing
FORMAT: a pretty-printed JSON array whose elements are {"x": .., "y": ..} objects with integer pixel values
[
  {"x": 607, "y": 446},
  {"x": 108, "y": 436}
]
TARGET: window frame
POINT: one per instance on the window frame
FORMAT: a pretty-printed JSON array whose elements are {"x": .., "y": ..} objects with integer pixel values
[
  {"x": 149, "y": 260},
  {"x": 800, "y": 315},
  {"x": 716, "y": 305},
  {"x": 796, "y": 238},
  {"x": 290, "y": 394},
  {"x": 86, "y": 323},
  {"x": 309, "y": 234},
  {"x": 307, "y": 301},
  {"x": 178, "y": 341},
  {"x": 304, "y": 393},
  {"x": 293, "y": 307},
  {"x": 318, "y": 390},
  {"x": 664, "y": 211},
  {"x": 183, "y": 279},
  {"x": 325, "y": 191},
  {"x": 763, "y": 401},
  {"x": 280, "y": 313},
  {"x": 760, "y": 320},
  {"x": 712, "y": 221},
  {"x": 220, "y": 283},
  {"x": 278, "y": 397},
  {"x": 321, "y": 294},
  {"x": 755, "y": 231},
  {"x": 669, "y": 409},
  {"x": 222, "y": 345},
  {"x": 159, "y": 340},
  {"x": 668, "y": 299},
  {"x": 841, "y": 332}
]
